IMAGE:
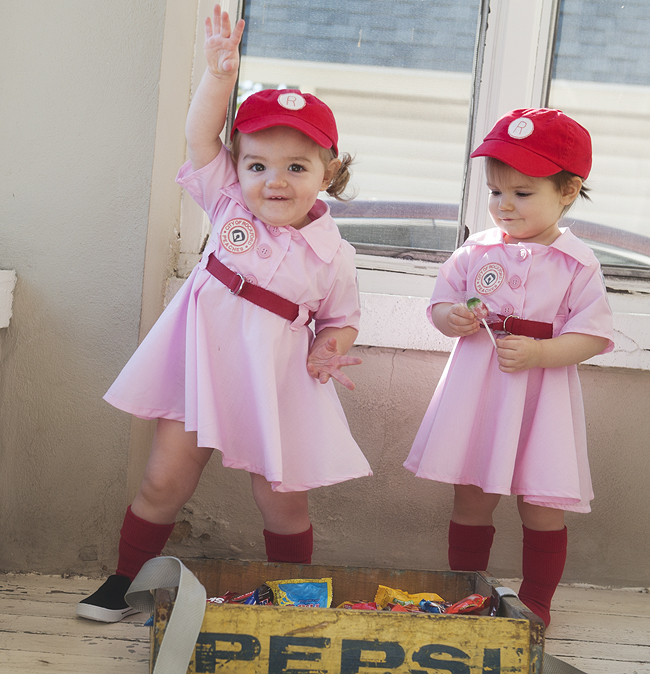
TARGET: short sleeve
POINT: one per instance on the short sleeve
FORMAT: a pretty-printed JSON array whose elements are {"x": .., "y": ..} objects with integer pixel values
[
  {"x": 589, "y": 311},
  {"x": 340, "y": 308},
  {"x": 451, "y": 284},
  {"x": 204, "y": 185}
]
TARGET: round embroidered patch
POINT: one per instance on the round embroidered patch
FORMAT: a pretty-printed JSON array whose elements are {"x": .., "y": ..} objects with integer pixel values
[
  {"x": 521, "y": 127},
  {"x": 238, "y": 235},
  {"x": 489, "y": 278},
  {"x": 292, "y": 101}
]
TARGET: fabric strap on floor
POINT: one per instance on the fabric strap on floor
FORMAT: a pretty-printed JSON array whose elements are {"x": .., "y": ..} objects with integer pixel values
[{"x": 186, "y": 618}]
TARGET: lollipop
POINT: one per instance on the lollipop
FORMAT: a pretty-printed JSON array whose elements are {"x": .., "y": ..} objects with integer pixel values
[
  {"x": 481, "y": 311},
  {"x": 478, "y": 308}
]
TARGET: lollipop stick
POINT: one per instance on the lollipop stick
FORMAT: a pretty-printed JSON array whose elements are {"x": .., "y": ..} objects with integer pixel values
[{"x": 490, "y": 333}]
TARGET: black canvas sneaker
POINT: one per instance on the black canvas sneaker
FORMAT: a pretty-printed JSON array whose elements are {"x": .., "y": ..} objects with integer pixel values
[{"x": 107, "y": 604}]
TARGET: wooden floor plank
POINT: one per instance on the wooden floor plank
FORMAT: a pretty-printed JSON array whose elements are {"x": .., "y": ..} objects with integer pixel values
[
  {"x": 595, "y": 666},
  {"x": 39, "y": 631},
  {"x": 72, "y": 626},
  {"x": 54, "y": 644},
  {"x": 55, "y": 663},
  {"x": 29, "y": 607},
  {"x": 598, "y": 650},
  {"x": 46, "y": 586},
  {"x": 612, "y": 602},
  {"x": 603, "y": 628}
]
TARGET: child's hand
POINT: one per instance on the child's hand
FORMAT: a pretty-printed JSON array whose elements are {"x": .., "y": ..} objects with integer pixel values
[
  {"x": 516, "y": 353},
  {"x": 221, "y": 44},
  {"x": 461, "y": 321},
  {"x": 325, "y": 361}
]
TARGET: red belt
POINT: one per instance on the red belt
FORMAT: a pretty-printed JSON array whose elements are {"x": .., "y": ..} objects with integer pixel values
[
  {"x": 519, "y": 326},
  {"x": 239, "y": 286}
]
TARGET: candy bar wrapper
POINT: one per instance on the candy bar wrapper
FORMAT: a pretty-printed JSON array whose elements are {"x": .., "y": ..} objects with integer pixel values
[
  {"x": 403, "y": 608},
  {"x": 359, "y": 605},
  {"x": 438, "y": 607},
  {"x": 259, "y": 597},
  {"x": 306, "y": 593},
  {"x": 472, "y": 604},
  {"x": 386, "y": 595},
  {"x": 397, "y": 608}
]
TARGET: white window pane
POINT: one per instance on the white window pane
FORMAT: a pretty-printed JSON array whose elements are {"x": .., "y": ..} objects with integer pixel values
[
  {"x": 601, "y": 77},
  {"x": 398, "y": 77}
]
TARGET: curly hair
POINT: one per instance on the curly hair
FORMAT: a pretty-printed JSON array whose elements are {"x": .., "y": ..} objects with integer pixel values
[{"x": 341, "y": 178}]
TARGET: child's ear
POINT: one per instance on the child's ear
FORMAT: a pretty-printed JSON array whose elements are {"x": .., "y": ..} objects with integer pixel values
[
  {"x": 571, "y": 190},
  {"x": 330, "y": 171}
]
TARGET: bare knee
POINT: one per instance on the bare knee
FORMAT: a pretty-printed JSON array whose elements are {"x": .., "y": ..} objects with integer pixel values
[
  {"x": 172, "y": 473},
  {"x": 159, "y": 498},
  {"x": 472, "y": 506},
  {"x": 540, "y": 518},
  {"x": 282, "y": 512},
  {"x": 158, "y": 487}
]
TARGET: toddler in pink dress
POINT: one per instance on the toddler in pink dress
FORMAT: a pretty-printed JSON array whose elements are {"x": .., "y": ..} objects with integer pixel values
[
  {"x": 232, "y": 363},
  {"x": 510, "y": 419}
]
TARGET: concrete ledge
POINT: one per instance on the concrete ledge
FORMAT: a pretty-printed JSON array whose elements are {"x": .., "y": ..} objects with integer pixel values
[{"x": 7, "y": 285}]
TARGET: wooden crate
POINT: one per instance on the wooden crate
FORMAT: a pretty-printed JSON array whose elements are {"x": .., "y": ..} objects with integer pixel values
[{"x": 288, "y": 640}]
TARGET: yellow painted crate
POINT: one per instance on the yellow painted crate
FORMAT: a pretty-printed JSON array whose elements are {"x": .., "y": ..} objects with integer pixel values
[{"x": 289, "y": 640}]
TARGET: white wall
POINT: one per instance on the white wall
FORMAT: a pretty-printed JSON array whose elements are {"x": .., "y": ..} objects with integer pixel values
[{"x": 79, "y": 104}]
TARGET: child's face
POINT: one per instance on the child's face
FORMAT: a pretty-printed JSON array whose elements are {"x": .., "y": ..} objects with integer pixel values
[
  {"x": 526, "y": 208},
  {"x": 281, "y": 173}
]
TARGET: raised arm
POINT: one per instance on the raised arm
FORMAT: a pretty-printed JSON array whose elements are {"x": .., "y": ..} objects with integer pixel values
[{"x": 207, "y": 114}]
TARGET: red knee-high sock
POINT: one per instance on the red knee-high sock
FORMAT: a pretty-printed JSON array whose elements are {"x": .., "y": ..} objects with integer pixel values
[
  {"x": 140, "y": 541},
  {"x": 291, "y": 548},
  {"x": 542, "y": 566},
  {"x": 469, "y": 547}
]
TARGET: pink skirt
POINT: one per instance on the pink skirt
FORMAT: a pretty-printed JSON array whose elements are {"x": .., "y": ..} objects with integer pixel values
[{"x": 236, "y": 374}]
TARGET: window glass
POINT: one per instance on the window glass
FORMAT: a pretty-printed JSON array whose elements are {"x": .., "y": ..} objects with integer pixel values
[
  {"x": 398, "y": 77},
  {"x": 601, "y": 77}
]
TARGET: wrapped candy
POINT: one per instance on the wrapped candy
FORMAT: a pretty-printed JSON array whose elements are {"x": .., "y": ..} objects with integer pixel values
[
  {"x": 305, "y": 593},
  {"x": 472, "y": 604},
  {"x": 259, "y": 597},
  {"x": 359, "y": 605},
  {"x": 403, "y": 608},
  {"x": 481, "y": 311},
  {"x": 478, "y": 308},
  {"x": 387, "y": 595},
  {"x": 434, "y": 606}
]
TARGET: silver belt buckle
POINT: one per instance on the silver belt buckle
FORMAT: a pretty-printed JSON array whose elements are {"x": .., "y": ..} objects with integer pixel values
[
  {"x": 505, "y": 321},
  {"x": 241, "y": 285}
]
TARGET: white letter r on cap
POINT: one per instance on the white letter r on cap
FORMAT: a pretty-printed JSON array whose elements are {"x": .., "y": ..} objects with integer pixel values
[
  {"x": 521, "y": 127},
  {"x": 292, "y": 101}
]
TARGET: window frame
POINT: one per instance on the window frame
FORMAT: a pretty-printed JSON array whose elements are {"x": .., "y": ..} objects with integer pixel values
[{"x": 513, "y": 60}]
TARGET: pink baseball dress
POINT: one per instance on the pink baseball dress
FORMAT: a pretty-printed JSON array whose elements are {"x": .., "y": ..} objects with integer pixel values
[
  {"x": 235, "y": 372},
  {"x": 524, "y": 432}
]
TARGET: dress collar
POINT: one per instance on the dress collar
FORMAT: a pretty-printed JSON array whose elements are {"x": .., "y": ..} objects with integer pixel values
[
  {"x": 567, "y": 243},
  {"x": 321, "y": 234}
]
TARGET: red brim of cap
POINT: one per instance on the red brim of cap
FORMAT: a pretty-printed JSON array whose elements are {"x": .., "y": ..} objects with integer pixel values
[
  {"x": 252, "y": 125},
  {"x": 519, "y": 158}
]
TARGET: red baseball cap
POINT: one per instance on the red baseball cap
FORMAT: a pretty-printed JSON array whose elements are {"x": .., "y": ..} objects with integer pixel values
[
  {"x": 539, "y": 142},
  {"x": 288, "y": 107}
]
